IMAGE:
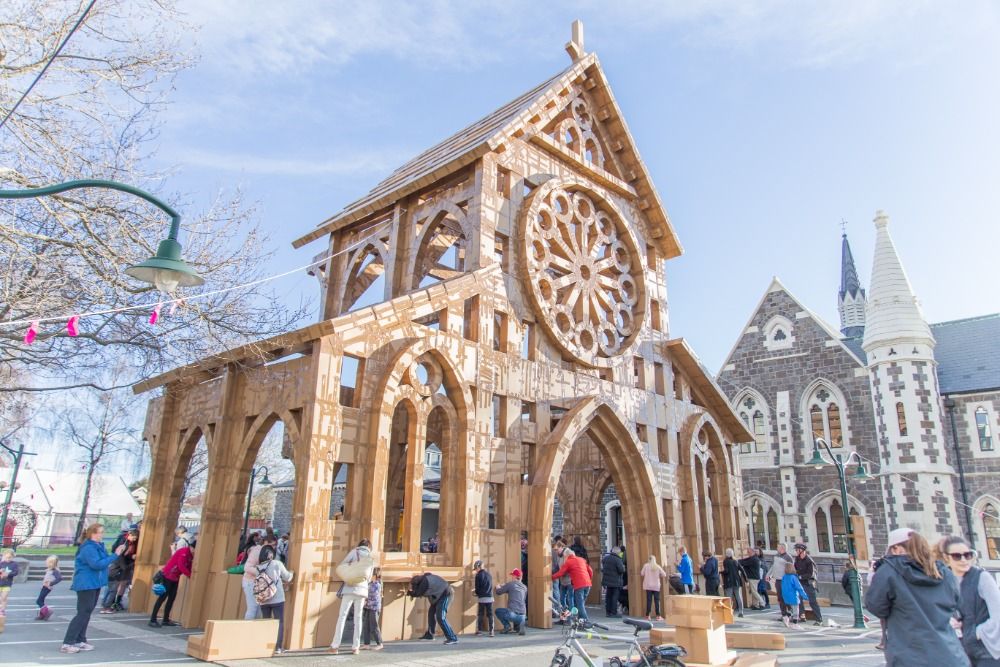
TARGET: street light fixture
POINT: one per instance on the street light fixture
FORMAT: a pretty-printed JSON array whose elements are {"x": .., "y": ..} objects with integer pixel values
[
  {"x": 166, "y": 270},
  {"x": 860, "y": 475},
  {"x": 263, "y": 482}
]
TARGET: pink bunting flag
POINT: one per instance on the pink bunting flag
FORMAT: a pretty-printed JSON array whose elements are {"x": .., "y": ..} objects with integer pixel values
[
  {"x": 29, "y": 335},
  {"x": 71, "y": 325},
  {"x": 155, "y": 315},
  {"x": 175, "y": 305}
]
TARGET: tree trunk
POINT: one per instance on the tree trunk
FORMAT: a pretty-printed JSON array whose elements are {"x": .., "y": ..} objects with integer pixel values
[{"x": 86, "y": 501}]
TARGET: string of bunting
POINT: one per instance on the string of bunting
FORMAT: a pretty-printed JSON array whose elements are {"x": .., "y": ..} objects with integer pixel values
[{"x": 73, "y": 321}]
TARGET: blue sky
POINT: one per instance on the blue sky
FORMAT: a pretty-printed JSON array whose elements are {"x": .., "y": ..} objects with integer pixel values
[{"x": 763, "y": 125}]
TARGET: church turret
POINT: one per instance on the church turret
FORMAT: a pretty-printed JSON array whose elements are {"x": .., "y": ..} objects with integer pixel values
[
  {"x": 851, "y": 300},
  {"x": 903, "y": 374}
]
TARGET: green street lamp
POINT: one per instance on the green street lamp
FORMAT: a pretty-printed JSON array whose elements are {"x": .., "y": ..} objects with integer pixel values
[
  {"x": 265, "y": 481},
  {"x": 860, "y": 475},
  {"x": 166, "y": 270}
]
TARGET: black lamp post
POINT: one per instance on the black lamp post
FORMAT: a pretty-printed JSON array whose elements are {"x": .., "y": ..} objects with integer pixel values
[
  {"x": 18, "y": 455},
  {"x": 949, "y": 404},
  {"x": 860, "y": 475},
  {"x": 263, "y": 482}
]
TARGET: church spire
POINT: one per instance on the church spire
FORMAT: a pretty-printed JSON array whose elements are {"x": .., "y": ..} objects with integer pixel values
[
  {"x": 851, "y": 300},
  {"x": 893, "y": 315}
]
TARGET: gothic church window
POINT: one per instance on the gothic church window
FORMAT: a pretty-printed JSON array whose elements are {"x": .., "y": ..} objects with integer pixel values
[
  {"x": 753, "y": 413},
  {"x": 826, "y": 416},
  {"x": 983, "y": 429},
  {"x": 901, "y": 419},
  {"x": 991, "y": 529},
  {"x": 763, "y": 525},
  {"x": 831, "y": 526}
]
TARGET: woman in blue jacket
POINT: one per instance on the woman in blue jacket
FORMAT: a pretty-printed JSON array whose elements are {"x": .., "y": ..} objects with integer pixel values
[{"x": 89, "y": 576}]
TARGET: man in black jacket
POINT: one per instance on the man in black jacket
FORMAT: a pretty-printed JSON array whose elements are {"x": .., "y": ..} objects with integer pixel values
[
  {"x": 613, "y": 577},
  {"x": 733, "y": 577},
  {"x": 805, "y": 568},
  {"x": 438, "y": 593},
  {"x": 752, "y": 566},
  {"x": 710, "y": 570}
]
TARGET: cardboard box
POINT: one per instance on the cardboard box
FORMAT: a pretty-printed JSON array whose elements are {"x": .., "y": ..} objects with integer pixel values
[
  {"x": 235, "y": 640},
  {"x": 771, "y": 641},
  {"x": 699, "y": 611},
  {"x": 703, "y": 645},
  {"x": 659, "y": 636},
  {"x": 823, "y": 602}
]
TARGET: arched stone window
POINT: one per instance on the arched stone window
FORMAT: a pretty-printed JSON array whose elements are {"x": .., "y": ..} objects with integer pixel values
[
  {"x": 826, "y": 408},
  {"x": 752, "y": 409},
  {"x": 901, "y": 420},
  {"x": 827, "y": 524},
  {"x": 763, "y": 526},
  {"x": 778, "y": 334},
  {"x": 983, "y": 430},
  {"x": 991, "y": 531}
]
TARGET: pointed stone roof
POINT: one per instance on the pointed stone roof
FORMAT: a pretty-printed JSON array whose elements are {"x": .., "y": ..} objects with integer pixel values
[
  {"x": 893, "y": 314},
  {"x": 493, "y": 132},
  {"x": 849, "y": 281}
]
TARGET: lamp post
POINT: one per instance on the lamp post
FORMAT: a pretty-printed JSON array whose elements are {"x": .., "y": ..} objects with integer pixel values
[
  {"x": 18, "y": 455},
  {"x": 166, "y": 270},
  {"x": 263, "y": 482},
  {"x": 949, "y": 404},
  {"x": 860, "y": 475}
]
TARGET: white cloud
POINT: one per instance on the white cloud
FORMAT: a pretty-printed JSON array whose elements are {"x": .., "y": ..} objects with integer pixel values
[
  {"x": 361, "y": 162},
  {"x": 818, "y": 33},
  {"x": 290, "y": 37}
]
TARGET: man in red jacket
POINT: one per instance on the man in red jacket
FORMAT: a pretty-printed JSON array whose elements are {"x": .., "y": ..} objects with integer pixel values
[
  {"x": 580, "y": 577},
  {"x": 180, "y": 563}
]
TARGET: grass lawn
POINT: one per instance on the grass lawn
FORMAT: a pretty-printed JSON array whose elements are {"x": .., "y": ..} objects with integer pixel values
[{"x": 62, "y": 550}]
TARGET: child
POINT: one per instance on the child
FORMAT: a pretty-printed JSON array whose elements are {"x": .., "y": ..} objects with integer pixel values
[
  {"x": 373, "y": 605},
  {"x": 792, "y": 594},
  {"x": 8, "y": 570},
  {"x": 52, "y": 577}
]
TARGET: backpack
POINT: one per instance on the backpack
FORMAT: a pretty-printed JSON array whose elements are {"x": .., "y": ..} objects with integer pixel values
[{"x": 264, "y": 586}]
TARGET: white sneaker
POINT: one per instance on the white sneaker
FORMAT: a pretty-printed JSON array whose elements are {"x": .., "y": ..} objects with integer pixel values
[
  {"x": 84, "y": 646},
  {"x": 69, "y": 648}
]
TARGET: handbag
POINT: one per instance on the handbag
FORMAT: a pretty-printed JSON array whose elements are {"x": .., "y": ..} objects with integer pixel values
[
  {"x": 357, "y": 571},
  {"x": 236, "y": 569},
  {"x": 158, "y": 578},
  {"x": 763, "y": 586}
]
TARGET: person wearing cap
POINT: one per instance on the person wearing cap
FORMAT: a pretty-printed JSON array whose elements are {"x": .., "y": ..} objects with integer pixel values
[
  {"x": 484, "y": 594},
  {"x": 515, "y": 614},
  {"x": 918, "y": 597},
  {"x": 805, "y": 568}
]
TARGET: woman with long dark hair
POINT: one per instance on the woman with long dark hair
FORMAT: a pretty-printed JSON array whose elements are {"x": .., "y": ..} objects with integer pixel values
[
  {"x": 918, "y": 597},
  {"x": 90, "y": 575},
  {"x": 979, "y": 603}
]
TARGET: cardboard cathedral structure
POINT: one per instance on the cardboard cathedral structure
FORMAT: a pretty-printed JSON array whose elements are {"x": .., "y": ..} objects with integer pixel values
[{"x": 521, "y": 333}]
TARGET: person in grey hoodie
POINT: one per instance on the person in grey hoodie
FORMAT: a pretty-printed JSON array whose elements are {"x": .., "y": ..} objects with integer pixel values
[{"x": 917, "y": 596}]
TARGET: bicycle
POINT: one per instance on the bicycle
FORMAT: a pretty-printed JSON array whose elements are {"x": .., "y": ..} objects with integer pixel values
[{"x": 575, "y": 628}]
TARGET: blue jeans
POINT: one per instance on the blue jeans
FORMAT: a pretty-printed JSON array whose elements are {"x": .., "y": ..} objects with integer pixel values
[
  {"x": 506, "y": 617},
  {"x": 566, "y": 595},
  {"x": 579, "y": 601},
  {"x": 439, "y": 612}
]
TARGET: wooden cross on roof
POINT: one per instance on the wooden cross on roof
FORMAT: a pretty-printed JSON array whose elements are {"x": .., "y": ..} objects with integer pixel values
[{"x": 574, "y": 47}]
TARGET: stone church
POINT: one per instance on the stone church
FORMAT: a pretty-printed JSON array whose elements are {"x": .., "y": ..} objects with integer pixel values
[{"x": 919, "y": 403}]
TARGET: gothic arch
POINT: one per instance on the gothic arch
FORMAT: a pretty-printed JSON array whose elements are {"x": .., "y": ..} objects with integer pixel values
[
  {"x": 359, "y": 276},
  {"x": 763, "y": 530},
  {"x": 445, "y": 219},
  {"x": 748, "y": 404},
  {"x": 636, "y": 486},
  {"x": 388, "y": 392},
  {"x": 986, "y": 527}
]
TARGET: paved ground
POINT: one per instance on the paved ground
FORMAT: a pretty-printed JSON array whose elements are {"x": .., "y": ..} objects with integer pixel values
[{"x": 124, "y": 639}]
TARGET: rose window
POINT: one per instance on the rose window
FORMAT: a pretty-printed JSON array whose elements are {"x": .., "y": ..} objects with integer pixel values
[{"x": 584, "y": 271}]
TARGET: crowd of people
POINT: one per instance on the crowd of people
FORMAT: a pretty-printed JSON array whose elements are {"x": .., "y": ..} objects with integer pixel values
[{"x": 935, "y": 606}]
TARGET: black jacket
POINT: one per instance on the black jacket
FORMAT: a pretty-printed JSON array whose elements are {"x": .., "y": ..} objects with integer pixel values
[
  {"x": 710, "y": 570},
  {"x": 805, "y": 568},
  {"x": 917, "y": 610},
  {"x": 751, "y": 565},
  {"x": 430, "y": 586},
  {"x": 612, "y": 571},
  {"x": 484, "y": 584},
  {"x": 732, "y": 574}
]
